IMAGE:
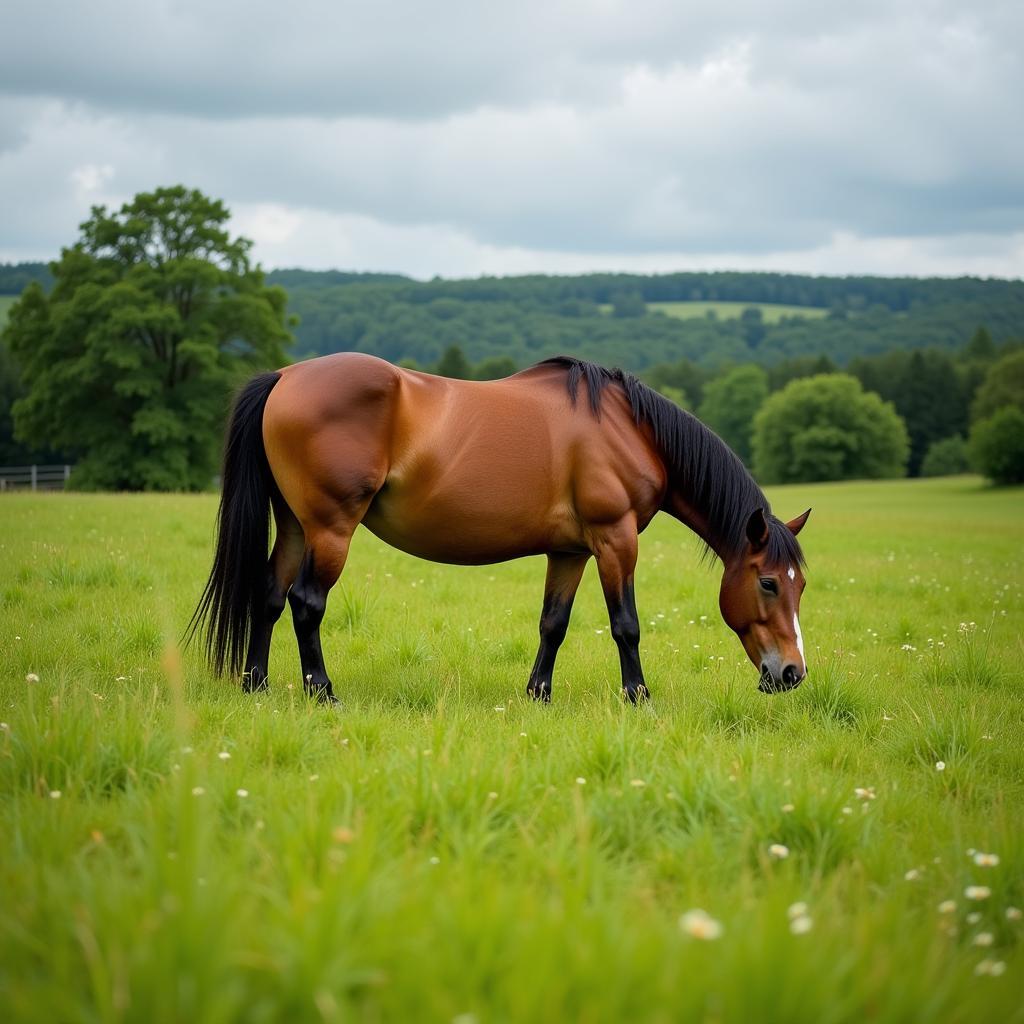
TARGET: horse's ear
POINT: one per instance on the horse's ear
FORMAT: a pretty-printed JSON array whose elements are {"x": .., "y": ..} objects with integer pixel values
[
  {"x": 757, "y": 529},
  {"x": 796, "y": 525}
]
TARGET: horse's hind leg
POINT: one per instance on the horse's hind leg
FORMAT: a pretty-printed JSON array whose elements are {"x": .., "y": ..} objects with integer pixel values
[
  {"x": 282, "y": 568},
  {"x": 326, "y": 552},
  {"x": 563, "y": 579}
]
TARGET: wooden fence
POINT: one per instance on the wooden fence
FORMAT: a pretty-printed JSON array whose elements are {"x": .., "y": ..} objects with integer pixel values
[{"x": 34, "y": 478}]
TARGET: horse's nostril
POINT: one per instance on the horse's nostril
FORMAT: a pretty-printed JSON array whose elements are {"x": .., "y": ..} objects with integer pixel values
[{"x": 790, "y": 675}]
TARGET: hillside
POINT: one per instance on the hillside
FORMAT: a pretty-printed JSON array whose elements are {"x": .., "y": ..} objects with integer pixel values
[
  {"x": 637, "y": 321},
  {"x": 631, "y": 320}
]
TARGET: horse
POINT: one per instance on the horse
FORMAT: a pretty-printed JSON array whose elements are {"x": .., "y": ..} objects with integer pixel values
[{"x": 478, "y": 472}]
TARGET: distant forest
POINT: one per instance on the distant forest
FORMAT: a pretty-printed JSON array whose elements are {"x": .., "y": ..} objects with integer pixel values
[{"x": 611, "y": 318}]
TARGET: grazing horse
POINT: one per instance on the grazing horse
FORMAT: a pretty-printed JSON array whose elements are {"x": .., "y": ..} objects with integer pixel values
[{"x": 475, "y": 472}]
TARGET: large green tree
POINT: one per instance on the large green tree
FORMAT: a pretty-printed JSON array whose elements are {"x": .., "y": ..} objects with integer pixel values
[
  {"x": 1003, "y": 386},
  {"x": 730, "y": 404},
  {"x": 155, "y": 314},
  {"x": 828, "y": 427}
]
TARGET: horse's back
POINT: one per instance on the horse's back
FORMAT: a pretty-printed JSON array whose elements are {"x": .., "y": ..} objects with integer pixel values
[{"x": 460, "y": 471}]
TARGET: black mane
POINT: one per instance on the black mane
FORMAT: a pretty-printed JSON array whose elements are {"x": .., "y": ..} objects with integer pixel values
[{"x": 701, "y": 466}]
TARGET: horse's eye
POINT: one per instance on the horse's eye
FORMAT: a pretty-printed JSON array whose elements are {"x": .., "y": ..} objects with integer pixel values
[{"x": 770, "y": 585}]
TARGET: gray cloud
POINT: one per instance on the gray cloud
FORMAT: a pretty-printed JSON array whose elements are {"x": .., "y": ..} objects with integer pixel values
[{"x": 541, "y": 131}]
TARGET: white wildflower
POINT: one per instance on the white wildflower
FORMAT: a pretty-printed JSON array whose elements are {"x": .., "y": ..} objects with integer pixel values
[
  {"x": 801, "y": 925},
  {"x": 977, "y": 892},
  {"x": 991, "y": 967},
  {"x": 700, "y": 925},
  {"x": 778, "y": 851}
]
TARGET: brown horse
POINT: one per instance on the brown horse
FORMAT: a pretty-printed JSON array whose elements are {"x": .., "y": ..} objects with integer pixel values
[{"x": 478, "y": 472}]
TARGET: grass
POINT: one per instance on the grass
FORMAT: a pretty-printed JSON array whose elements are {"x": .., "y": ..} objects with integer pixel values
[
  {"x": 174, "y": 850},
  {"x": 771, "y": 312}
]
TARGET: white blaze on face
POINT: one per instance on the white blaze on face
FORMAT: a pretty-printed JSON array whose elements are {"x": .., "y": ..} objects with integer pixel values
[
  {"x": 792, "y": 573},
  {"x": 799, "y": 639}
]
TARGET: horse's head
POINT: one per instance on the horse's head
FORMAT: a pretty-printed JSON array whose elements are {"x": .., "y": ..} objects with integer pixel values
[{"x": 760, "y": 600}]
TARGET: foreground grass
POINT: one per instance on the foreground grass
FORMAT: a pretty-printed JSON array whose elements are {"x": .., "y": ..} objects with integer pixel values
[{"x": 443, "y": 849}]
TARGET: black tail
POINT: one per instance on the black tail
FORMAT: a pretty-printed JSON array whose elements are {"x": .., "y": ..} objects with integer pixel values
[{"x": 236, "y": 589}]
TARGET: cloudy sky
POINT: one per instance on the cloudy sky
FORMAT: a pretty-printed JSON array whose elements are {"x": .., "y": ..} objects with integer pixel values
[{"x": 461, "y": 138}]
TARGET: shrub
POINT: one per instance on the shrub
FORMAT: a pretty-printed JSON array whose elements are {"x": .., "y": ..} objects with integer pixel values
[
  {"x": 827, "y": 427},
  {"x": 946, "y": 457},
  {"x": 997, "y": 446}
]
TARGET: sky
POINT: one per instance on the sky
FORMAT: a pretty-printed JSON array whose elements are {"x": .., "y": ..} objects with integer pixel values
[{"x": 464, "y": 138}]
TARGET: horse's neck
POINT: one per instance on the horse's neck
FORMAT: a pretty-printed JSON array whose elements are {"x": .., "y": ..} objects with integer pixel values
[{"x": 681, "y": 508}]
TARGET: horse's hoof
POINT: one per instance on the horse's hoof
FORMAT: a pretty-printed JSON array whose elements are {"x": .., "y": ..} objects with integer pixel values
[
  {"x": 254, "y": 682},
  {"x": 540, "y": 692},
  {"x": 636, "y": 694}
]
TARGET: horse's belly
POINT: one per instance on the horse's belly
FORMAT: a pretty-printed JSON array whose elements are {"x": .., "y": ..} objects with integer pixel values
[{"x": 471, "y": 528}]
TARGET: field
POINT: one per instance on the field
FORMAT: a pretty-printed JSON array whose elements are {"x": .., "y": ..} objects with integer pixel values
[
  {"x": 771, "y": 312},
  {"x": 441, "y": 849}
]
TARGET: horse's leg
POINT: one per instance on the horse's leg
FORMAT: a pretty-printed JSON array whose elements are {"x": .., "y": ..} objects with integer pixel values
[
  {"x": 282, "y": 568},
  {"x": 616, "y": 562},
  {"x": 563, "y": 578},
  {"x": 326, "y": 552}
]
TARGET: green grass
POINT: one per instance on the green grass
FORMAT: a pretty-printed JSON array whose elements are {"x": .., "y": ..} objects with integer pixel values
[
  {"x": 428, "y": 853},
  {"x": 771, "y": 312}
]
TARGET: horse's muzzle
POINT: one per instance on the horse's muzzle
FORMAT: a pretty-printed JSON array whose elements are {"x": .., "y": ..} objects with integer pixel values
[{"x": 792, "y": 677}]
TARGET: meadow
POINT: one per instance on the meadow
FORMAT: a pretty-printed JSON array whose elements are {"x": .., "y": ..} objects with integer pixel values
[
  {"x": 771, "y": 312},
  {"x": 442, "y": 849}
]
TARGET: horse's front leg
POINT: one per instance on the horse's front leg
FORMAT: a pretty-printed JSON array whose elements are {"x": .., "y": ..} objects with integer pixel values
[
  {"x": 563, "y": 579},
  {"x": 616, "y": 562}
]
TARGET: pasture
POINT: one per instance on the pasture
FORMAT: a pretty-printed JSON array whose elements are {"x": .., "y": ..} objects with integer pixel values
[
  {"x": 442, "y": 849},
  {"x": 771, "y": 312}
]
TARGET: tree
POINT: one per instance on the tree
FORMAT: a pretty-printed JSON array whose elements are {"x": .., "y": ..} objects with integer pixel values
[
  {"x": 730, "y": 404},
  {"x": 828, "y": 428},
  {"x": 453, "y": 363},
  {"x": 1003, "y": 385},
  {"x": 494, "y": 368},
  {"x": 155, "y": 314},
  {"x": 752, "y": 322},
  {"x": 684, "y": 376},
  {"x": 997, "y": 445},
  {"x": 947, "y": 457},
  {"x": 628, "y": 304},
  {"x": 782, "y": 373},
  {"x": 926, "y": 391},
  {"x": 981, "y": 346}
]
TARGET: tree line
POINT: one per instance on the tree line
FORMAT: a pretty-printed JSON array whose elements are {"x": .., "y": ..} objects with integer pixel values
[
  {"x": 610, "y": 318},
  {"x": 121, "y": 355}
]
